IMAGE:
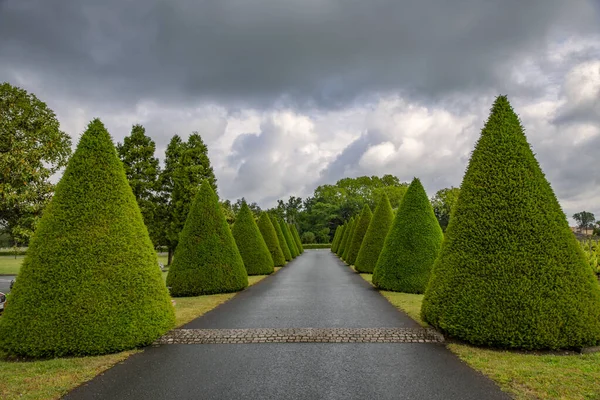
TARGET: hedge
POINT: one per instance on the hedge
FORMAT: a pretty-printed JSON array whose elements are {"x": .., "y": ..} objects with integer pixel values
[
  {"x": 510, "y": 272},
  {"x": 362, "y": 224},
  {"x": 382, "y": 220},
  {"x": 349, "y": 239},
  {"x": 342, "y": 246},
  {"x": 336, "y": 242},
  {"x": 90, "y": 282},
  {"x": 269, "y": 234},
  {"x": 206, "y": 260},
  {"x": 317, "y": 245},
  {"x": 296, "y": 237},
  {"x": 250, "y": 243},
  {"x": 288, "y": 239},
  {"x": 282, "y": 242},
  {"x": 411, "y": 246}
]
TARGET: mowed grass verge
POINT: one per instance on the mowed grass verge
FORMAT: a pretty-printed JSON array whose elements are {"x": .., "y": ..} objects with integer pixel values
[
  {"x": 524, "y": 376},
  {"x": 51, "y": 379}
]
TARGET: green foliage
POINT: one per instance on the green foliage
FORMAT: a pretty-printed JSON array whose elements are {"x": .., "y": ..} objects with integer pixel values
[
  {"x": 349, "y": 239},
  {"x": 411, "y": 246},
  {"x": 32, "y": 149},
  {"x": 269, "y": 234},
  {"x": 90, "y": 283},
  {"x": 443, "y": 202},
  {"x": 308, "y": 237},
  {"x": 281, "y": 239},
  {"x": 347, "y": 230},
  {"x": 317, "y": 246},
  {"x": 142, "y": 170},
  {"x": 382, "y": 220},
  {"x": 296, "y": 237},
  {"x": 510, "y": 272},
  {"x": 585, "y": 220},
  {"x": 362, "y": 224},
  {"x": 336, "y": 237},
  {"x": 288, "y": 239},
  {"x": 591, "y": 249},
  {"x": 207, "y": 260},
  {"x": 250, "y": 243}
]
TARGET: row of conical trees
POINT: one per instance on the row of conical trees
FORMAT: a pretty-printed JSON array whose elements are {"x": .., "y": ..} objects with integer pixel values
[
  {"x": 509, "y": 272},
  {"x": 90, "y": 283}
]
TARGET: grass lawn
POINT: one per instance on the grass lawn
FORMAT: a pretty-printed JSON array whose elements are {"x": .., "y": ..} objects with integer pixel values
[
  {"x": 51, "y": 379},
  {"x": 524, "y": 376},
  {"x": 9, "y": 265}
]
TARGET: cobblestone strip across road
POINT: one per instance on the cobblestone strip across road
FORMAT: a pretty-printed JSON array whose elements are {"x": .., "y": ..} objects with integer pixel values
[{"x": 302, "y": 335}]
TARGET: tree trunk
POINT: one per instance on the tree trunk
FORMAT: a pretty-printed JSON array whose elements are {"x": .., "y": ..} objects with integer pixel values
[{"x": 170, "y": 257}]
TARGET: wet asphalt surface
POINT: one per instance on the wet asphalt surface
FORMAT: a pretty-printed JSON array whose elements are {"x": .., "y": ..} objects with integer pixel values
[
  {"x": 314, "y": 291},
  {"x": 5, "y": 283}
]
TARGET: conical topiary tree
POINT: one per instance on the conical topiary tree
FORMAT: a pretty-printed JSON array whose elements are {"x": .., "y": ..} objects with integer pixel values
[
  {"x": 207, "y": 260},
  {"x": 288, "y": 239},
  {"x": 411, "y": 246},
  {"x": 337, "y": 241},
  {"x": 90, "y": 283},
  {"x": 282, "y": 242},
  {"x": 270, "y": 236},
  {"x": 362, "y": 224},
  {"x": 250, "y": 243},
  {"x": 510, "y": 272},
  {"x": 348, "y": 238},
  {"x": 296, "y": 237},
  {"x": 335, "y": 238},
  {"x": 347, "y": 232},
  {"x": 382, "y": 220}
]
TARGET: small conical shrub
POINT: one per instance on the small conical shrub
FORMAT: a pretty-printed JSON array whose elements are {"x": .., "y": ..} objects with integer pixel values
[
  {"x": 270, "y": 236},
  {"x": 349, "y": 238},
  {"x": 362, "y": 224},
  {"x": 382, "y": 220},
  {"x": 90, "y": 283},
  {"x": 411, "y": 246},
  {"x": 296, "y": 237},
  {"x": 510, "y": 272},
  {"x": 207, "y": 260},
  {"x": 336, "y": 235},
  {"x": 347, "y": 232},
  {"x": 338, "y": 240},
  {"x": 288, "y": 239},
  {"x": 281, "y": 238},
  {"x": 250, "y": 243}
]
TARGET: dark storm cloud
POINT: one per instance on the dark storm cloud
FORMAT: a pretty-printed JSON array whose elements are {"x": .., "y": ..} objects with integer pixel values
[{"x": 301, "y": 52}]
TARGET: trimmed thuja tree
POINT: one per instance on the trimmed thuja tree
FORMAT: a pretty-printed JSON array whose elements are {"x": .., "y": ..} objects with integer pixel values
[
  {"x": 510, "y": 272},
  {"x": 336, "y": 236},
  {"x": 349, "y": 239},
  {"x": 250, "y": 243},
  {"x": 411, "y": 246},
  {"x": 342, "y": 245},
  {"x": 269, "y": 234},
  {"x": 207, "y": 260},
  {"x": 90, "y": 283},
  {"x": 382, "y": 220},
  {"x": 362, "y": 224},
  {"x": 336, "y": 244},
  {"x": 288, "y": 239},
  {"x": 282, "y": 242},
  {"x": 296, "y": 237}
]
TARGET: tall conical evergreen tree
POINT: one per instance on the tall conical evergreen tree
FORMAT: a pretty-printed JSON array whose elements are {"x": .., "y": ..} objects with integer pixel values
[
  {"x": 411, "y": 246},
  {"x": 382, "y": 220},
  {"x": 269, "y": 234},
  {"x": 296, "y": 237},
  {"x": 250, "y": 243},
  {"x": 510, "y": 272},
  {"x": 336, "y": 237},
  {"x": 282, "y": 242},
  {"x": 288, "y": 239},
  {"x": 336, "y": 244},
  {"x": 362, "y": 225},
  {"x": 349, "y": 239},
  {"x": 90, "y": 283},
  {"x": 207, "y": 260},
  {"x": 347, "y": 232}
]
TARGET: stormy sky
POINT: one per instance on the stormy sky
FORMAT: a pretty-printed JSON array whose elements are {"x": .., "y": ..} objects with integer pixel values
[{"x": 292, "y": 94}]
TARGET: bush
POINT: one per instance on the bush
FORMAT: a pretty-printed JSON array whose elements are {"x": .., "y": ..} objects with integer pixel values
[
  {"x": 382, "y": 220},
  {"x": 250, "y": 243},
  {"x": 288, "y": 239},
  {"x": 296, "y": 237},
  {"x": 411, "y": 246},
  {"x": 362, "y": 224},
  {"x": 282, "y": 242},
  {"x": 338, "y": 238},
  {"x": 510, "y": 272},
  {"x": 317, "y": 246},
  {"x": 308, "y": 237},
  {"x": 270, "y": 236},
  {"x": 90, "y": 282},
  {"x": 349, "y": 239},
  {"x": 207, "y": 260},
  {"x": 347, "y": 233}
]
